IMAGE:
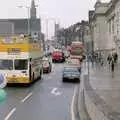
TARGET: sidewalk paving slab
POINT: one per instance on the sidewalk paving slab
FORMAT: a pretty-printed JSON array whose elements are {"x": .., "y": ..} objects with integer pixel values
[{"x": 106, "y": 84}]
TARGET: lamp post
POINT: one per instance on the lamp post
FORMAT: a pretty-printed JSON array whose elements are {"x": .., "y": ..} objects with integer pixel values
[{"x": 28, "y": 11}]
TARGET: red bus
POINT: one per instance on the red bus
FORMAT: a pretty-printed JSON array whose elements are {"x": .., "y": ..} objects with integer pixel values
[{"x": 77, "y": 50}]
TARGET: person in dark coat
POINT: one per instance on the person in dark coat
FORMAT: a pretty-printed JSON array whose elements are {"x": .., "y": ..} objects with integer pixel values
[
  {"x": 112, "y": 65},
  {"x": 109, "y": 58},
  {"x": 115, "y": 55}
]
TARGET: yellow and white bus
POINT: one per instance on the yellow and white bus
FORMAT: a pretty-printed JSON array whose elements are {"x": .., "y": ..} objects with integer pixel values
[{"x": 20, "y": 59}]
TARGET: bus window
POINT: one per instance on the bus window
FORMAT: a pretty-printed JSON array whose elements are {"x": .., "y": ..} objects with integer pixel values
[
  {"x": 6, "y": 64},
  {"x": 21, "y": 64}
]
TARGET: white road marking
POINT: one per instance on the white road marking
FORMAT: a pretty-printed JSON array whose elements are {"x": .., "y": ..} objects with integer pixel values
[
  {"x": 49, "y": 78},
  {"x": 72, "y": 104},
  {"x": 10, "y": 114},
  {"x": 27, "y": 97},
  {"x": 55, "y": 92}
]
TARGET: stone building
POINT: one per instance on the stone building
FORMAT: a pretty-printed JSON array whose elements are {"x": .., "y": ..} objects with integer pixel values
[
  {"x": 90, "y": 16},
  {"x": 76, "y": 32},
  {"x": 113, "y": 21},
  {"x": 99, "y": 27},
  {"x": 87, "y": 39},
  {"x": 57, "y": 28},
  {"x": 105, "y": 27}
]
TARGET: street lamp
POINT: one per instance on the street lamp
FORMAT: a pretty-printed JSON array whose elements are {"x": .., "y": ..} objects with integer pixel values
[{"x": 28, "y": 11}]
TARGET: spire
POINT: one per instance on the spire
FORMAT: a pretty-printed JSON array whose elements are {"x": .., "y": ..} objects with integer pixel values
[
  {"x": 98, "y": 3},
  {"x": 33, "y": 3},
  {"x": 33, "y": 10}
]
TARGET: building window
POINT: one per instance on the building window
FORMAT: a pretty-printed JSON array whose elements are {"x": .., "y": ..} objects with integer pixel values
[
  {"x": 109, "y": 26},
  {"x": 113, "y": 26}
]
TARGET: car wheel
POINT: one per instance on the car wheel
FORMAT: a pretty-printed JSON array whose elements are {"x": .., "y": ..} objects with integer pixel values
[
  {"x": 63, "y": 60},
  {"x": 63, "y": 79},
  {"x": 53, "y": 61},
  {"x": 78, "y": 80}
]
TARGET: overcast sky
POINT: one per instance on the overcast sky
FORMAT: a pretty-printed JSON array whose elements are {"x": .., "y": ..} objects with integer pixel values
[{"x": 66, "y": 12}]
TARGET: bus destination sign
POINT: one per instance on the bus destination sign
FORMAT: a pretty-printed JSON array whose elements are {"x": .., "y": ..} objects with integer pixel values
[{"x": 14, "y": 51}]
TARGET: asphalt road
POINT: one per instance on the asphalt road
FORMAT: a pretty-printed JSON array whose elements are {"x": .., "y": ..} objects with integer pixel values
[{"x": 48, "y": 99}]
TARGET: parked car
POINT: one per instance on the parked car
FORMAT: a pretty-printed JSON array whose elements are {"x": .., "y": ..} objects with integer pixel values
[
  {"x": 58, "y": 56},
  {"x": 47, "y": 66},
  {"x": 71, "y": 74}
]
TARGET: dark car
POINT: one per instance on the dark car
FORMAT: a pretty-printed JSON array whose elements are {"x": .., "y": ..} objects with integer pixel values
[
  {"x": 47, "y": 66},
  {"x": 71, "y": 74}
]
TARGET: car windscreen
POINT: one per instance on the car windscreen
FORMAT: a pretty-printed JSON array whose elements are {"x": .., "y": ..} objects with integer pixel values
[
  {"x": 21, "y": 64},
  {"x": 71, "y": 70},
  {"x": 6, "y": 64},
  {"x": 45, "y": 63}
]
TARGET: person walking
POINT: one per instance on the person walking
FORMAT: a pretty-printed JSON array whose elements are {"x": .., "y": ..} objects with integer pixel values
[
  {"x": 112, "y": 66},
  {"x": 109, "y": 58},
  {"x": 102, "y": 61},
  {"x": 115, "y": 55}
]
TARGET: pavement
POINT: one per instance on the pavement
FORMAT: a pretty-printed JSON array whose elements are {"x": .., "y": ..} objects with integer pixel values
[
  {"x": 48, "y": 99},
  {"x": 102, "y": 92}
]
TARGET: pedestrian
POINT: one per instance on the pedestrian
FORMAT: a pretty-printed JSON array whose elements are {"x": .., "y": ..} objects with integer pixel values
[
  {"x": 115, "y": 55},
  {"x": 112, "y": 65},
  {"x": 109, "y": 58},
  {"x": 102, "y": 61}
]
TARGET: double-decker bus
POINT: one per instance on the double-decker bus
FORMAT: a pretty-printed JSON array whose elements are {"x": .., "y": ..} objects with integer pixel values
[
  {"x": 77, "y": 50},
  {"x": 20, "y": 59}
]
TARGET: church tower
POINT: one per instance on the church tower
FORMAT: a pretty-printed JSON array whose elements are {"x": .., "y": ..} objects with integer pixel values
[
  {"x": 98, "y": 3},
  {"x": 33, "y": 10}
]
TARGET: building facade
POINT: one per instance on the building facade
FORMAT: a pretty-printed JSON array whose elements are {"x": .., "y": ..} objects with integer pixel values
[
  {"x": 57, "y": 28},
  {"x": 77, "y": 32},
  {"x": 98, "y": 27},
  {"x": 20, "y": 26},
  {"x": 113, "y": 21},
  {"x": 87, "y": 39},
  {"x": 105, "y": 27}
]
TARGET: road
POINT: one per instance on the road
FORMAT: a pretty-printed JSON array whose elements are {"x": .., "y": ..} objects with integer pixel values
[{"x": 48, "y": 99}]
